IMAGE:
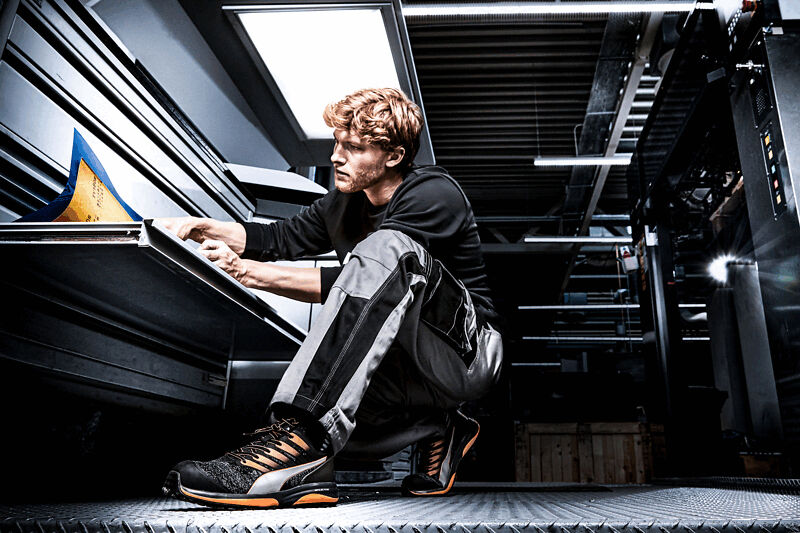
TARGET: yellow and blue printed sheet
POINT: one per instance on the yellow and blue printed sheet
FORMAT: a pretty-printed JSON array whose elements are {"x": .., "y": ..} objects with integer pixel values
[{"x": 89, "y": 195}]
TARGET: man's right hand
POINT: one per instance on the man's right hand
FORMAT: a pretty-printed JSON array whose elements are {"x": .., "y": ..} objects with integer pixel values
[
  {"x": 184, "y": 227},
  {"x": 200, "y": 229}
]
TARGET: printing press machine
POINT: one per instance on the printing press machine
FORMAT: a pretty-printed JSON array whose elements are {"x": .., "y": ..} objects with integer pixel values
[
  {"x": 123, "y": 350},
  {"x": 125, "y": 309},
  {"x": 124, "y": 314}
]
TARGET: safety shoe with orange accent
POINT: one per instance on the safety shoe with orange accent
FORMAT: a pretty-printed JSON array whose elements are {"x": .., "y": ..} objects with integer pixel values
[
  {"x": 437, "y": 458},
  {"x": 280, "y": 468}
]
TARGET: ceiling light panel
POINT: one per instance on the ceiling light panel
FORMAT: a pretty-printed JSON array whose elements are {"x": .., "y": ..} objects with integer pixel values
[
  {"x": 550, "y": 8},
  {"x": 620, "y": 159},
  {"x": 316, "y": 56}
]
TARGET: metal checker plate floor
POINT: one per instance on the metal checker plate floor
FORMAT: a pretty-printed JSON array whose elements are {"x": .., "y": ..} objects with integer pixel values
[{"x": 621, "y": 509}]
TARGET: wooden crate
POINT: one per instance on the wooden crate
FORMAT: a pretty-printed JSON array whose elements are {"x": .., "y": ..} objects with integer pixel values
[{"x": 586, "y": 453}]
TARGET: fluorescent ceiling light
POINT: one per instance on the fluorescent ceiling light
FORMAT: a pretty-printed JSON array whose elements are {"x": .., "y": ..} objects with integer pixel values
[
  {"x": 622, "y": 159},
  {"x": 550, "y": 8},
  {"x": 296, "y": 47},
  {"x": 556, "y": 239}
]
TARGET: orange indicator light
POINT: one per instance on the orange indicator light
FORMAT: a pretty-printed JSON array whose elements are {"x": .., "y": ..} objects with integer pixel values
[
  {"x": 766, "y": 140},
  {"x": 779, "y": 198}
]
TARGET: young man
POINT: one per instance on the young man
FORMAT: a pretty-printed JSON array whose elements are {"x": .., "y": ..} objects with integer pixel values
[{"x": 404, "y": 337}]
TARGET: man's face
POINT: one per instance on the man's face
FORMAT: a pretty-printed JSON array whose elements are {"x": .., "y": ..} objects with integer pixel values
[{"x": 357, "y": 164}]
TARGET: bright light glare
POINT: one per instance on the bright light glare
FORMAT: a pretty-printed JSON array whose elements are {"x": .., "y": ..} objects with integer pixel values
[
  {"x": 728, "y": 7},
  {"x": 296, "y": 47},
  {"x": 718, "y": 269},
  {"x": 623, "y": 159},
  {"x": 551, "y": 8}
]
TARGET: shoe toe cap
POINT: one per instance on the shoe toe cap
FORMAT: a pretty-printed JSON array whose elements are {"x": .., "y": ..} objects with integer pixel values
[
  {"x": 192, "y": 476},
  {"x": 420, "y": 483}
]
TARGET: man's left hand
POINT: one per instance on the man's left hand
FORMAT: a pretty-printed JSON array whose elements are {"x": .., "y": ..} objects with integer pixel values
[{"x": 221, "y": 255}]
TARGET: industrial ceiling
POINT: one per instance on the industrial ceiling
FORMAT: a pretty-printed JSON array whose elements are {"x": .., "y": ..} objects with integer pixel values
[
  {"x": 501, "y": 91},
  {"x": 498, "y": 92}
]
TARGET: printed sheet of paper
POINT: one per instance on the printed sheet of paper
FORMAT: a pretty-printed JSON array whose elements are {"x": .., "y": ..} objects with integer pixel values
[{"x": 89, "y": 195}]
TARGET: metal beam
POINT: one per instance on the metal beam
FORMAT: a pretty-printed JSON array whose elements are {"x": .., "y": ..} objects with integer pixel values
[
  {"x": 626, "y": 104},
  {"x": 598, "y": 338},
  {"x": 533, "y": 219},
  {"x": 499, "y": 236},
  {"x": 642, "y": 56},
  {"x": 601, "y": 338},
  {"x": 597, "y": 276},
  {"x": 616, "y": 52},
  {"x": 590, "y": 307}
]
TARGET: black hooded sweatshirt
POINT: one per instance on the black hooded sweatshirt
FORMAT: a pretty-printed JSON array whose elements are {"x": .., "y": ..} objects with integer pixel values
[{"x": 428, "y": 206}]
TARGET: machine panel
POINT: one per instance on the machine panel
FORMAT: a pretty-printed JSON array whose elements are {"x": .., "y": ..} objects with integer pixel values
[
  {"x": 129, "y": 306},
  {"x": 766, "y": 113},
  {"x": 124, "y": 311}
]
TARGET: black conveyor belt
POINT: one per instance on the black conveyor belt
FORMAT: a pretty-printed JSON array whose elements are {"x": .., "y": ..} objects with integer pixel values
[{"x": 498, "y": 509}]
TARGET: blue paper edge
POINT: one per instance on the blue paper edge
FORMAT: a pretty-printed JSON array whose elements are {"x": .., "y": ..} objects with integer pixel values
[{"x": 80, "y": 150}]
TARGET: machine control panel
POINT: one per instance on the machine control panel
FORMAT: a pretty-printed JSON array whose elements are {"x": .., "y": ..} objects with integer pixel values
[{"x": 773, "y": 169}]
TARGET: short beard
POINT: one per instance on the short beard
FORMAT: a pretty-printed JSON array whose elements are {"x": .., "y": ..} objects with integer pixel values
[{"x": 364, "y": 181}]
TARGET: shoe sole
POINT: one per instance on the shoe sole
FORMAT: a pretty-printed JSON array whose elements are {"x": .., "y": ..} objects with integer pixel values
[
  {"x": 452, "y": 477},
  {"x": 319, "y": 494}
]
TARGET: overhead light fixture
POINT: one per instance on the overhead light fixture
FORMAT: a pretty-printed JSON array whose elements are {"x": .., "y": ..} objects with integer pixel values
[
  {"x": 621, "y": 159},
  {"x": 561, "y": 239},
  {"x": 551, "y": 8},
  {"x": 295, "y": 46}
]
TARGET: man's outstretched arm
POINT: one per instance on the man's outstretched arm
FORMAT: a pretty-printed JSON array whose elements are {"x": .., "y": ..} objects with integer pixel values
[
  {"x": 201, "y": 229},
  {"x": 297, "y": 283},
  {"x": 292, "y": 282},
  {"x": 223, "y": 243}
]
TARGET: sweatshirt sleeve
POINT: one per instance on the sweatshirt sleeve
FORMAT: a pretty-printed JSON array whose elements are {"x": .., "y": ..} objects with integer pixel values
[
  {"x": 303, "y": 234},
  {"x": 328, "y": 277}
]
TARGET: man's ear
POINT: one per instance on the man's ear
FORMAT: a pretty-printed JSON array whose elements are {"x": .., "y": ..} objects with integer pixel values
[{"x": 396, "y": 157}]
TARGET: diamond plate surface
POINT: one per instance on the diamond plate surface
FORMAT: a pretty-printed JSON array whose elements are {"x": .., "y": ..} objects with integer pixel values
[{"x": 621, "y": 509}]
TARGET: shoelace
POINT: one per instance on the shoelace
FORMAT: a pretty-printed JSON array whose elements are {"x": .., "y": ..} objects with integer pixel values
[
  {"x": 431, "y": 456},
  {"x": 274, "y": 431},
  {"x": 268, "y": 438}
]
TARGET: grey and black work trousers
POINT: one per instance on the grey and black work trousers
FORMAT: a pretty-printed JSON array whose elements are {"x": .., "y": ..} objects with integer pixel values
[{"x": 397, "y": 333}]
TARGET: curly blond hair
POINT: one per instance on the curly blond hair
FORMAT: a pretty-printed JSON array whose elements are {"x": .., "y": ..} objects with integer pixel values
[{"x": 384, "y": 117}]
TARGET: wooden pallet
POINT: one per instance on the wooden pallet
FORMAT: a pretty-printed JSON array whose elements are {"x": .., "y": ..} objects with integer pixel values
[{"x": 586, "y": 453}]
